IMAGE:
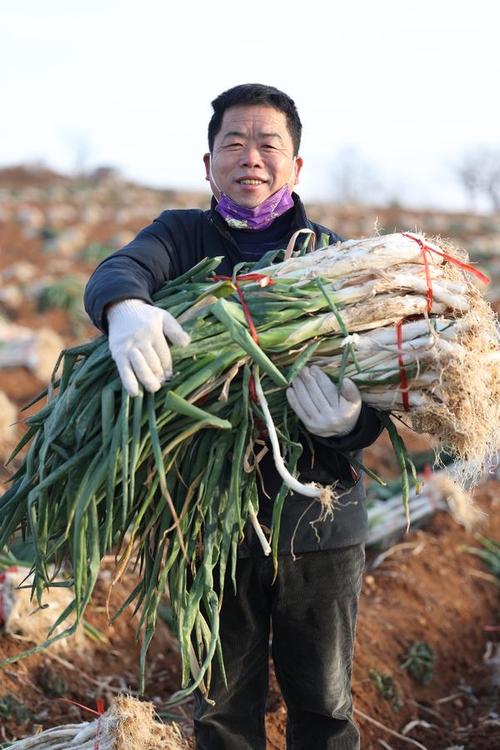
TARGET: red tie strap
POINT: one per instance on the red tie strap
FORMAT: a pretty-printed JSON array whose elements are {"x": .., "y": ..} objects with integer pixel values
[
  {"x": 450, "y": 258},
  {"x": 99, "y": 706},
  {"x": 101, "y": 709},
  {"x": 263, "y": 280},
  {"x": 248, "y": 314}
]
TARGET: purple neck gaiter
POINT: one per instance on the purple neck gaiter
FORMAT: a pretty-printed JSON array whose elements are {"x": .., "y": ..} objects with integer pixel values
[{"x": 260, "y": 217}]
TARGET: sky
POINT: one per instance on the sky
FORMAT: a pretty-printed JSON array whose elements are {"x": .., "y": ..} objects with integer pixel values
[{"x": 397, "y": 92}]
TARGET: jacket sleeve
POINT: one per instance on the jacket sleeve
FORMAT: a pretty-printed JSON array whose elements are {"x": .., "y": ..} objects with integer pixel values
[
  {"x": 138, "y": 270},
  {"x": 322, "y": 232},
  {"x": 365, "y": 432}
]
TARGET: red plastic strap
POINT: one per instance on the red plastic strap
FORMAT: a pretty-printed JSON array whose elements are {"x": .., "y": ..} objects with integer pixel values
[
  {"x": 456, "y": 262},
  {"x": 262, "y": 279},
  {"x": 97, "y": 734},
  {"x": 403, "y": 380},
  {"x": 99, "y": 705},
  {"x": 248, "y": 314},
  {"x": 251, "y": 388},
  {"x": 428, "y": 279},
  {"x": 101, "y": 709}
]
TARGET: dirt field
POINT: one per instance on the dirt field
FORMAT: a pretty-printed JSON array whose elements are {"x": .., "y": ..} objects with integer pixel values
[{"x": 425, "y": 589}]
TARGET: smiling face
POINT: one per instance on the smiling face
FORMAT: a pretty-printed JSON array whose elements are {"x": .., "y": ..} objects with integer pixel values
[{"x": 252, "y": 156}]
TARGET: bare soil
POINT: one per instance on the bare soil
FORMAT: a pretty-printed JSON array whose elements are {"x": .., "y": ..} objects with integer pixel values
[{"x": 425, "y": 590}]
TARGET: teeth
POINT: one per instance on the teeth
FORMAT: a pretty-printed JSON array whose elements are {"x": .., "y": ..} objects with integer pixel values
[{"x": 251, "y": 182}]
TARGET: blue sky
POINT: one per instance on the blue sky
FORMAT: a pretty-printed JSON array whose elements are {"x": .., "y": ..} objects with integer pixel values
[{"x": 408, "y": 87}]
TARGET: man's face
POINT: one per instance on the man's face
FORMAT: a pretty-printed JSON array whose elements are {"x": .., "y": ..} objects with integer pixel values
[{"x": 252, "y": 155}]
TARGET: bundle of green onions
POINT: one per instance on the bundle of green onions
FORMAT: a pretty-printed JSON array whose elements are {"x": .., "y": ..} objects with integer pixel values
[{"x": 169, "y": 480}]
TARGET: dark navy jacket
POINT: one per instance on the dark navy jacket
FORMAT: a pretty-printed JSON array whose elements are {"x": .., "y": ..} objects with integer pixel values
[{"x": 168, "y": 247}]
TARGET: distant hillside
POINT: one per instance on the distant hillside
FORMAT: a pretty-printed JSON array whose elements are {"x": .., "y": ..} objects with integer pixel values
[{"x": 37, "y": 185}]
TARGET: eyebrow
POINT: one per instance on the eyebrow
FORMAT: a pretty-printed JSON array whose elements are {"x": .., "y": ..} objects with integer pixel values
[{"x": 239, "y": 134}]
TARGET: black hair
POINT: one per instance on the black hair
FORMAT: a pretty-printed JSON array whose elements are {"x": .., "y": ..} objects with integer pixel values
[{"x": 248, "y": 94}]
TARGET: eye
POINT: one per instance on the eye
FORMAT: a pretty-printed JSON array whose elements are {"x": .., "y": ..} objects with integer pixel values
[{"x": 233, "y": 146}]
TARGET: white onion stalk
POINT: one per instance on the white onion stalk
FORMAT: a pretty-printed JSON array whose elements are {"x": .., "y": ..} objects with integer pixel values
[
  {"x": 266, "y": 547},
  {"x": 451, "y": 294},
  {"x": 409, "y": 331},
  {"x": 387, "y": 359},
  {"x": 378, "y": 351},
  {"x": 376, "y": 312},
  {"x": 355, "y": 256},
  {"x": 313, "y": 490}
]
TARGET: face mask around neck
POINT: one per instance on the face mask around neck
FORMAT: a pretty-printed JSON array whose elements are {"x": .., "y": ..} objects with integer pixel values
[{"x": 260, "y": 217}]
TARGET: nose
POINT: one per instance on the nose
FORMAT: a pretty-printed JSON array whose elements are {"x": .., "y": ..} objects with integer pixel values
[{"x": 250, "y": 156}]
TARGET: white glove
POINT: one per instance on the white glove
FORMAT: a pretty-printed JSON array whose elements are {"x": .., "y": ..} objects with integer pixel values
[
  {"x": 317, "y": 403},
  {"x": 136, "y": 334}
]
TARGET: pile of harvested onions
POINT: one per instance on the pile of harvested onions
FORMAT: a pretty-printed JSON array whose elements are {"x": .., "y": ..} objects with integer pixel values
[
  {"x": 128, "y": 724},
  {"x": 168, "y": 480},
  {"x": 35, "y": 350}
]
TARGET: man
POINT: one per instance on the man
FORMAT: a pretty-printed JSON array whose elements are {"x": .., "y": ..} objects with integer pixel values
[{"x": 252, "y": 166}]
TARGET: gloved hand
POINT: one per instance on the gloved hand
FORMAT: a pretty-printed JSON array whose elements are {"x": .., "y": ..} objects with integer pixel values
[
  {"x": 317, "y": 403},
  {"x": 136, "y": 334}
]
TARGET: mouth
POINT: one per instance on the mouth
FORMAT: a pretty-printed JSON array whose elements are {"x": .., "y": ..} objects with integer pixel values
[{"x": 251, "y": 181}]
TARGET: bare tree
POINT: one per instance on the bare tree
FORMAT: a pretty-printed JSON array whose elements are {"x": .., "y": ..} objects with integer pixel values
[
  {"x": 492, "y": 183},
  {"x": 479, "y": 173},
  {"x": 355, "y": 180},
  {"x": 468, "y": 172}
]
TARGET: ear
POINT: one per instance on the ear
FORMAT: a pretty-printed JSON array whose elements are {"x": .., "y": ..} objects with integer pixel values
[
  {"x": 298, "y": 167},
  {"x": 206, "y": 161}
]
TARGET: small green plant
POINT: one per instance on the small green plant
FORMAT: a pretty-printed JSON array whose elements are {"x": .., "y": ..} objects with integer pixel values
[
  {"x": 490, "y": 554},
  {"x": 64, "y": 294},
  {"x": 11, "y": 708},
  {"x": 419, "y": 662},
  {"x": 52, "y": 682},
  {"x": 95, "y": 252},
  {"x": 387, "y": 688},
  {"x": 48, "y": 233}
]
